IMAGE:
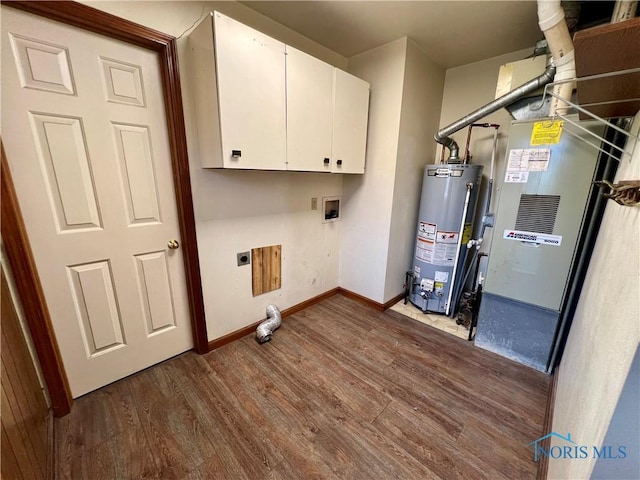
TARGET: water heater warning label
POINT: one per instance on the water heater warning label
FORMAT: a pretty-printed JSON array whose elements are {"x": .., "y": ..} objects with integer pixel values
[
  {"x": 440, "y": 254},
  {"x": 427, "y": 230},
  {"x": 445, "y": 254},
  {"x": 532, "y": 237},
  {"x": 447, "y": 237},
  {"x": 425, "y": 250}
]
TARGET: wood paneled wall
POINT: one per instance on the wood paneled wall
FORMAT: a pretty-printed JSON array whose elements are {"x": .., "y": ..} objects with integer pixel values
[
  {"x": 26, "y": 443},
  {"x": 266, "y": 268}
]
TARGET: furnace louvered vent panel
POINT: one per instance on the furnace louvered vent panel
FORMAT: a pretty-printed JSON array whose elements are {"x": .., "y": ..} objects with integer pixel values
[{"x": 537, "y": 213}]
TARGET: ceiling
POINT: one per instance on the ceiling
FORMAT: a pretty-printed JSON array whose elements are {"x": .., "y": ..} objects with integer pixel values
[{"x": 451, "y": 33}]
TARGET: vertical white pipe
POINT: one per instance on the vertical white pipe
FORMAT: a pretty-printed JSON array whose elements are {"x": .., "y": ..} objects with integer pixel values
[
  {"x": 460, "y": 233},
  {"x": 553, "y": 25}
]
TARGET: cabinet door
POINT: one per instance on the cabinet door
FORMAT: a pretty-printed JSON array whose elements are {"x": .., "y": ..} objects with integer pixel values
[
  {"x": 350, "y": 117},
  {"x": 309, "y": 112},
  {"x": 251, "y": 94}
]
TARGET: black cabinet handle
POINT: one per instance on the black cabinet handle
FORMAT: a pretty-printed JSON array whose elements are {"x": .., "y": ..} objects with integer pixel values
[
  {"x": 236, "y": 153},
  {"x": 326, "y": 161},
  {"x": 339, "y": 162}
]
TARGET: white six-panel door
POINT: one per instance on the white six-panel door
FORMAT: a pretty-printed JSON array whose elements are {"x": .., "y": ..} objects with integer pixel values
[{"x": 83, "y": 125}]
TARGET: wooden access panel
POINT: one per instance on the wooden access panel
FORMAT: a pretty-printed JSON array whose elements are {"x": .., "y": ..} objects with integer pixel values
[
  {"x": 266, "y": 267},
  {"x": 603, "y": 49}
]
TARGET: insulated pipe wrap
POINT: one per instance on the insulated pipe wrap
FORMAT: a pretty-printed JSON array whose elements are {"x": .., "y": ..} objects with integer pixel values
[
  {"x": 266, "y": 328},
  {"x": 550, "y": 13}
]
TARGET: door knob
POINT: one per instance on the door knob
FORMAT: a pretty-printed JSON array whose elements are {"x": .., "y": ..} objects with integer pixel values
[{"x": 173, "y": 244}]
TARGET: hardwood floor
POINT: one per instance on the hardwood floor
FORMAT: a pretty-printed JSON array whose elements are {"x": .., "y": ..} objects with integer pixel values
[{"x": 342, "y": 391}]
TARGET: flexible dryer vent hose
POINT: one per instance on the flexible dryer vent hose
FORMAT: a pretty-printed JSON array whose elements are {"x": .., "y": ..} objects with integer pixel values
[{"x": 266, "y": 328}]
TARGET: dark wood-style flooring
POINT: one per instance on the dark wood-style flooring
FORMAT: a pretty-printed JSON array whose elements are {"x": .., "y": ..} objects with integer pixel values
[{"x": 341, "y": 391}]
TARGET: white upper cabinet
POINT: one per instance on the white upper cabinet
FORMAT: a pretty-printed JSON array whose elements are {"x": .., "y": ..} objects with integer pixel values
[
  {"x": 238, "y": 77},
  {"x": 309, "y": 112},
  {"x": 251, "y": 95},
  {"x": 204, "y": 82},
  {"x": 266, "y": 106},
  {"x": 350, "y": 119}
]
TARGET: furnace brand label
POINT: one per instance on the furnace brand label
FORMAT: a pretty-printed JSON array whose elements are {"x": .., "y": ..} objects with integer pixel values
[{"x": 532, "y": 237}]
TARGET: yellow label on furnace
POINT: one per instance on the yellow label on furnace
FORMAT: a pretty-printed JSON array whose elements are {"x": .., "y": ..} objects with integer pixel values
[
  {"x": 546, "y": 132},
  {"x": 466, "y": 233}
]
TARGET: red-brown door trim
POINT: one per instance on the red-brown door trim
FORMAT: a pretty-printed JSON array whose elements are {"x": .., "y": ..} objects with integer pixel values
[
  {"x": 29, "y": 289},
  {"x": 88, "y": 18}
]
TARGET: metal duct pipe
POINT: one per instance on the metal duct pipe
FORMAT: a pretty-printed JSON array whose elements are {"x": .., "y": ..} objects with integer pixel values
[
  {"x": 266, "y": 328},
  {"x": 443, "y": 135}
]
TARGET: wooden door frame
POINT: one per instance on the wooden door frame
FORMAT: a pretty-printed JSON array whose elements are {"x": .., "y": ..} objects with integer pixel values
[{"x": 14, "y": 235}]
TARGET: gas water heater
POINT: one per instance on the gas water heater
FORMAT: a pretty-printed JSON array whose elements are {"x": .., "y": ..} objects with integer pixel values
[{"x": 445, "y": 223}]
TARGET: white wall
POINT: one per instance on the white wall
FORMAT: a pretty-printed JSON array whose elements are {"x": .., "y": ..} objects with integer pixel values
[
  {"x": 368, "y": 199},
  {"x": 421, "y": 103},
  {"x": 605, "y": 332},
  {"x": 469, "y": 87},
  {"x": 178, "y": 17},
  {"x": 380, "y": 209},
  {"x": 236, "y": 211},
  {"x": 623, "y": 430}
]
